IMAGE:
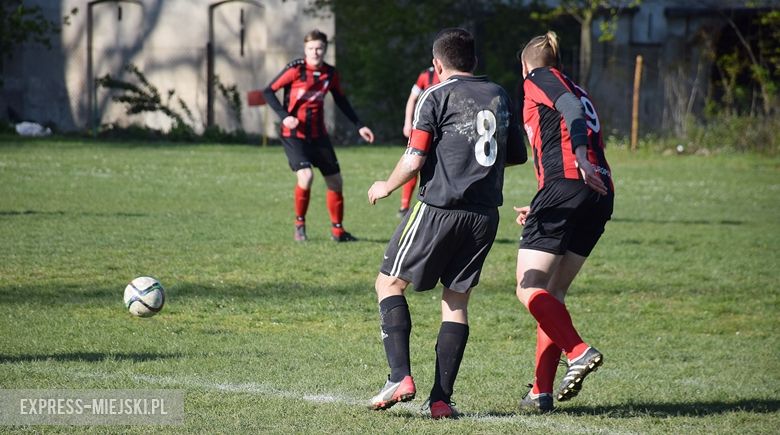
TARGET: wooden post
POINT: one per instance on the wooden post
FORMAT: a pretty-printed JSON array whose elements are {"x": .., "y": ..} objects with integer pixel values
[
  {"x": 256, "y": 98},
  {"x": 265, "y": 125},
  {"x": 635, "y": 105}
]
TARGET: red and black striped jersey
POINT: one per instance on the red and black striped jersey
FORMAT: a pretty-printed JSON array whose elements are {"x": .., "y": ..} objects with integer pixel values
[
  {"x": 305, "y": 87},
  {"x": 425, "y": 80},
  {"x": 551, "y": 143}
]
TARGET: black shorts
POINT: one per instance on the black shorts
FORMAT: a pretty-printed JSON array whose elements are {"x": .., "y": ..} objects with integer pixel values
[
  {"x": 305, "y": 153},
  {"x": 566, "y": 215},
  {"x": 433, "y": 244}
]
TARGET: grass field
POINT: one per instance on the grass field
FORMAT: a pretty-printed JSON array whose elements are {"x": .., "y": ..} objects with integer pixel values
[{"x": 269, "y": 336}]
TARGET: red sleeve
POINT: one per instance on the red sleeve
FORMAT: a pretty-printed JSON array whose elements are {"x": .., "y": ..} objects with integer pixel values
[
  {"x": 422, "y": 80},
  {"x": 284, "y": 78},
  {"x": 420, "y": 140}
]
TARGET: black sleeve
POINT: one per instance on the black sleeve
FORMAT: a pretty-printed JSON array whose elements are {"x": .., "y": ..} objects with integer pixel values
[
  {"x": 273, "y": 102},
  {"x": 573, "y": 114},
  {"x": 549, "y": 84},
  {"x": 346, "y": 108}
]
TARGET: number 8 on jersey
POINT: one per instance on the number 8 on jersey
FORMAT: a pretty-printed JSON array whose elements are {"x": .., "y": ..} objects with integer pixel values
[{"x": 486, "y": 147}]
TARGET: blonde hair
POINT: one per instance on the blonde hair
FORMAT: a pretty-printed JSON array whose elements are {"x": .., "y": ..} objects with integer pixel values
[{"x": 542, "y": 51}]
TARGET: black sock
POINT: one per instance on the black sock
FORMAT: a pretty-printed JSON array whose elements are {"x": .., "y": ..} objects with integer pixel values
[
  {"x": 449, "y": 353},
  {"x": 396, "y": 324}
]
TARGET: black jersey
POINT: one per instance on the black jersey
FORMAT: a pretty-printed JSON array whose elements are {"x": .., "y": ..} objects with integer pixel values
[{"x": 471, "y": 124}]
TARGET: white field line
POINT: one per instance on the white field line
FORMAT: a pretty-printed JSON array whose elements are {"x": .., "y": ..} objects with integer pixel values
[
  {"x": 196, "y": 383},
  {"x": 532, "y": 422}
]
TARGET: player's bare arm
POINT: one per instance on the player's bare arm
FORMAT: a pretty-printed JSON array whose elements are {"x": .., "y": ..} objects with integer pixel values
[
  {"x": 366, "y": 134},
  {"x": 408, "y": 112},
  {"x": 407, "y": 168}
]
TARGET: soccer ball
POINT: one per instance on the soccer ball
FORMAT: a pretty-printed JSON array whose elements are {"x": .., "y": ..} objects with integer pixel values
[{"x": 144, "y": 296}]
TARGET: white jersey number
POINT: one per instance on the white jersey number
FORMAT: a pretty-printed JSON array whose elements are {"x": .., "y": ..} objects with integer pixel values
[
  {"x": 590, "y": 111},
  {"x": 486, "y": 148},
  {"x": 593, "y": 117}
]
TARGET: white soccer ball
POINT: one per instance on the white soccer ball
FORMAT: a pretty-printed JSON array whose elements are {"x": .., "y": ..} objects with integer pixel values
[{"x": 144, "y": 296}]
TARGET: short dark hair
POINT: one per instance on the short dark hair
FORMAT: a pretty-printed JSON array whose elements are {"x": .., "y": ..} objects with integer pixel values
[
  {"x": 315, "y": 35},
  {"x": 454, "y": 47}
]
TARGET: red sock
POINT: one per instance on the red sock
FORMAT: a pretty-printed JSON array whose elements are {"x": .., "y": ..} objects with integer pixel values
[
  {"x": 335, "y": 201},
  {"x": 547, "y": 357},
  {"x": 301, "y": 204},
  {"x": 407, "y": 192},
  {"x": 554, "y": 319}
]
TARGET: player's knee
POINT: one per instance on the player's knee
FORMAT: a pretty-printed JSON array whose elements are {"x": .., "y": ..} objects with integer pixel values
[
  {"x": 389, "y": 286},
  {"x": 520, "y": 292},
  {"x": 456, "y": 301},
  {"x": 524, "y": 294},
  {"x": 334, "y": 182},
  {"x": 305, "y": 177},
  {"x": 532, "y": 279}
]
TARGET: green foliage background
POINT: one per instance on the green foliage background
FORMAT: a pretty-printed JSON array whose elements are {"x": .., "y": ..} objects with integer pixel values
[{"x": 381, "y": 47}]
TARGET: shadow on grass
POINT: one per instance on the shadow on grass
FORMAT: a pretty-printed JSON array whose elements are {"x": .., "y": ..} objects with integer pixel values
[
  {"x": 88, "y": 357},
  {"x": 678, "y": 221},
  {"x": 383, "y": 241},
  {"x": 696, "y": 409},
  {"x": 663, "y": 410},
  {"x": 62, "y": 213},
  {"x": 59, "y": 295}
]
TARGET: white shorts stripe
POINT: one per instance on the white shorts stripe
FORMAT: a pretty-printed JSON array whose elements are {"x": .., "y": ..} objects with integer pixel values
[
  {"x": 407, "y": 240},
  {"x": 424, "y": 96}
]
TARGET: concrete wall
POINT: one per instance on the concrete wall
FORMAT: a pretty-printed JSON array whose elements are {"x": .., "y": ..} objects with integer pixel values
[
  {"x": 166, "y": 40},
  {"x": 675, "y": 40}
]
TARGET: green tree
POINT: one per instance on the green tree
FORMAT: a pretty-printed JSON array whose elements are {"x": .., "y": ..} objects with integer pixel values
[
  {"x": 769, "y": 51},
  {"x": 757, "y": 52},
  {"x": 585, "y": 11},
  {"x": 20, "y": 24},
  {"x": 380, "y": 58}
]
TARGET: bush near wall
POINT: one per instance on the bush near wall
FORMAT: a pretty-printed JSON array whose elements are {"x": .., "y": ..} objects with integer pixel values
[{"x": 718, "y": 134}]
